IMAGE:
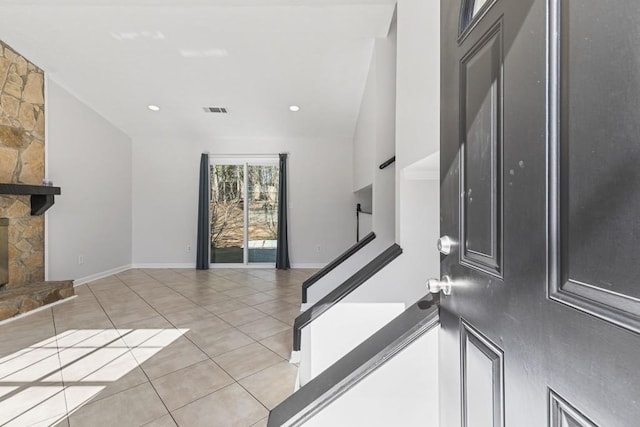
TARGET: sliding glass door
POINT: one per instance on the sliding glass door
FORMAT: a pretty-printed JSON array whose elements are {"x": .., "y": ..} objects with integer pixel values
[
  {"x": 262, "y": 223},
  {"x": 227, "y": 213},
  {"x": 244, "y": 210}
]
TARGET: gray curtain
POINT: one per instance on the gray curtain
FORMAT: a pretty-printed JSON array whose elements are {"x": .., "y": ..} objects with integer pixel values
[
  {"x": 282, "y": 254},
  {"x": 204, "y": 227}
]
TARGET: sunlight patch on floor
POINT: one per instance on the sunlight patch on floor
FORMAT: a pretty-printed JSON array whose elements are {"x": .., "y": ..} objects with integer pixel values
[{"x": 46, "y": 382}]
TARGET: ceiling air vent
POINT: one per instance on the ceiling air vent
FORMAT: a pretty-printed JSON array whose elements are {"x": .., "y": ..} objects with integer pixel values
[{"x": 218, "y": 110}]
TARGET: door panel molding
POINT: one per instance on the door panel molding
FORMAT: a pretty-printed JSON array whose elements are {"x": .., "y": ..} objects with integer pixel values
[
  {"x": 482, "y": 220},
  {"x": 563, "y": 414},
  {"x": 472, "y": 340},
  {"x": 617, "y": 308}
]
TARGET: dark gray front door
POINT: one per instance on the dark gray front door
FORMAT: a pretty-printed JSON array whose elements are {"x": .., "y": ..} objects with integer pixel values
[{"x": 540, "y": 193}]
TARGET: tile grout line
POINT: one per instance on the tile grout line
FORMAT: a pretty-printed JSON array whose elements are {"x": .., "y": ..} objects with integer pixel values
[
  {"x": 64, "y": 392},
  {"x": 211, "y": 358},
  {"x": 277, "y": 290},
  {"x": 235, "y": 381},
  {"x": 60, "y": 368},
  {"x": 139, "y": 365},
  {"x": 278, "y": 294}
]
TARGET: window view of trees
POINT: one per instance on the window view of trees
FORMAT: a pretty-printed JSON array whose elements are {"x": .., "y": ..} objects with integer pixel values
[
  {"x": 228, "y": 217},
  {"x": 227, "y": 213}
]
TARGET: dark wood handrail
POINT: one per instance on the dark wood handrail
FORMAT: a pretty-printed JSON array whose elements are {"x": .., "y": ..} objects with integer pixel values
[
  {"x": 335, "y": 263},
  {"x": 374, "y": 352},
  {"x": 348, "y": 286},
  {"x": 388, "y": 162}
]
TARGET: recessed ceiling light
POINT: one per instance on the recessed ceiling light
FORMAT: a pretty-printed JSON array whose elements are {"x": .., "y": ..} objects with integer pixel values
[
  {"x": 294, "y": 108},
  {"x": 153, "y": 107}
]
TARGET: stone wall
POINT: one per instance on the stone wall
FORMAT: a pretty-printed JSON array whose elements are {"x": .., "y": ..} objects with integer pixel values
[{"x": 22, "y": 161}]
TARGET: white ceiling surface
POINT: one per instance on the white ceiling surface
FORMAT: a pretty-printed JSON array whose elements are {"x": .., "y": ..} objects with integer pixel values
[{"x": 311, "y": 53}]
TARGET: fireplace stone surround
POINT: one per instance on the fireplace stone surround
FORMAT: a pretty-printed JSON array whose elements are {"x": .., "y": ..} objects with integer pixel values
[{"x": 23, "y": 198}]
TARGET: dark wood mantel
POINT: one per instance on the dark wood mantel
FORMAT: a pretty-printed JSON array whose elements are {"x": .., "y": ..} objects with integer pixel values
[{"x": 42, "y": 196}]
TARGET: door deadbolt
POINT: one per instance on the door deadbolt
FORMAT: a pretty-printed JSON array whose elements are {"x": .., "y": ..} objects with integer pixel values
[{"x": 444, "y": 245}]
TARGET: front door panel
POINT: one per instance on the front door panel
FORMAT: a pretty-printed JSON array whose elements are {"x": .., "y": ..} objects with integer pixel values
[
  {"x": 482, "y": 388},
  {"x": 562, "y": 414},
  {"x": 481, "y": 121},
  {"x": 540, "y": 191},
  {"x": 596, "y": 200}
]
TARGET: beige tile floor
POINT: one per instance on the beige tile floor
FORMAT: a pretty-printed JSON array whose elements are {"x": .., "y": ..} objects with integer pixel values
[{"x": 155, "y": 348}]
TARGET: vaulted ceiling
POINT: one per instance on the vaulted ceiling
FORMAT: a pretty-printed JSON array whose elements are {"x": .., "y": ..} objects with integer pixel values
[{"x": 254, "y": 57}]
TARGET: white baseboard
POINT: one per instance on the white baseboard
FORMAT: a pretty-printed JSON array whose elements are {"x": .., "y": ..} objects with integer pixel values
[
  {"x": 295, "y": 357},
  {"x": 305, "y": 306},
  {"x": 164, "y": 265},
  {"x": 101, "y": 275},
  {"x": 266, "y": 265},
  {"x": 308, "y": 265},
  {"x": 225, "y": 265},
  {"x": 217, "y": 266}
]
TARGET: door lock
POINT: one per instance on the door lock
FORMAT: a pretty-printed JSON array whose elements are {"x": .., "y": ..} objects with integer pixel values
[
  {"x": 444, "y": 285},
  {"x": 445, "y": 244}
]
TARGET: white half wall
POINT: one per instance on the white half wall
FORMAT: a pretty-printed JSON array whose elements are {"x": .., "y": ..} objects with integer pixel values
[
  {"x": 357, "y": 322},
  {"x": 89, "y": 227},
  {"x": 402, "y": 392},
  {"x": 165, "y": 194},
  {"x": 395, "y": 283}
]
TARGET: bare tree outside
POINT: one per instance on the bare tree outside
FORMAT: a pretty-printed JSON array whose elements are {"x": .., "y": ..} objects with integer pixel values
[{"x": 227, "y": 212}]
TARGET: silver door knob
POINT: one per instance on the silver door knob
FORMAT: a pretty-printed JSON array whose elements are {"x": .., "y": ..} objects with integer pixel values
[
  {"x": 435, "y": 286},
  {"x": 445, "y": 244}
]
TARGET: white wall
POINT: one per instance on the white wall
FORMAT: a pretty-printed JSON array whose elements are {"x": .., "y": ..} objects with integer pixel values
[
  {"x": 384, "y": 191},
  {"x": 420, "y": 217},
  {"x": 91, "y": 160},
  {"x": 420, "y": 228},
  {"x": 374, "y": 140},
  {"x": 366, "y": 224},
  {"x": 364, "y": 140},
  {"x": 404, "y": 279},
  {"x": 165, "y": 194},
  {"x": 407, "y": 97},
  {"x": 327, "y": 347},
  {"x": 418, "y": 91},
  {"x": 402, "y": 392},
  {"x": 345, "y": 270},
  {"x": 418, "y": 81}
]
